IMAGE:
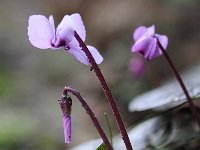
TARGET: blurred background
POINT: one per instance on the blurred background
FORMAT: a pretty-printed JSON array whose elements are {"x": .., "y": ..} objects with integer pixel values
[{"x": 31, "y": 80}]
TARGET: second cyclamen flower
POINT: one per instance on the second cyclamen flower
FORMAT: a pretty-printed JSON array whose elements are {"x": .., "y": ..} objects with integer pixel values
[
  {"x": 42, "y": 34},
  {"x": 146, "y": 42}
]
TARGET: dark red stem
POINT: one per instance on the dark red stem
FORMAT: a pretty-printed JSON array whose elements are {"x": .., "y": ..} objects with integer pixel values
[
  {"x": 91, "y": 114},
  {"x": 107, "y": 92},
  {"x": 178, "y": 77}
]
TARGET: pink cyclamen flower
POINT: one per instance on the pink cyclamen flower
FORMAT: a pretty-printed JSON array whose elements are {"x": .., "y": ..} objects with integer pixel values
[
  {"x": 146, "y": 42},
  {"x": 42, "y": 34}
]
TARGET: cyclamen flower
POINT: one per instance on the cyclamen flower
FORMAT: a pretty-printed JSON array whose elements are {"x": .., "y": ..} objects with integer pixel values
[
  {"x": 42, "y": 34},
  {"x": 146, "y": 42}
]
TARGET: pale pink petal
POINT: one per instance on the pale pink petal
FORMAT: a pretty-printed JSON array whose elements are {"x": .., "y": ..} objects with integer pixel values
[
  {"x": 142, "y": 45},
  {"x": 67, "y": 128},
  {"x": 77, "y": 52},
  {"x": 95, "y": 53},
  {"x": 63, "y": 23},
  {"x": 139, "y": 32},
  {"x": 148, "y": 47},
  {"x": 68, "y": 25},
  {"x": 65, "y": 32},
  {"x": 163, "y": 40},
  {"x": 40, "y": 31},
  {"x": 77, "y": 24},
  {"x": 79, "y": 55},
  {"x": 51, "y": 20},
  {"x": 151, "y": 30},
  {"x": 152, "y": 50}
]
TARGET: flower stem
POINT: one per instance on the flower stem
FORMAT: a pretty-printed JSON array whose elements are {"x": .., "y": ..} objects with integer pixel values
[
  {"x": 91, "y": 114},
  {"x": 178, "y": 77},
  {"x": 107, "y": 92}
]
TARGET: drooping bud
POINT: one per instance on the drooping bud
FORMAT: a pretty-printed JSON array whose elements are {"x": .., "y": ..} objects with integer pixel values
[{"x": 65, "y": 105}]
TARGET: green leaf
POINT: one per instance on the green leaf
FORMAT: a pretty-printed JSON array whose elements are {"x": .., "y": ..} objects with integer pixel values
[
  {"x": 101, "y": 147},
  {"x": 109, "y": 128}
]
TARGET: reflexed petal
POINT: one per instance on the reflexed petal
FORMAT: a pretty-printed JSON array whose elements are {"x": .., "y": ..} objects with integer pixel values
[
  {"x": 67, "y": 128},
  {"x": 51, "y": 20},
  {"x": 63, "y": 23},
  {"x": 40, "y": 31},
  {"x": 152, "y": 50},
  {"x": 77, "y": 24},
  {"x": 79, "y": 54},
  {"x": 97, "y": 56},
  {"x": 163, "y": 40},
  {"x": 142, "y": 45},
  {"x": 151, "y": 30},
  {"x": 139, "y": 32},
  {"x": 148, "y": 47},
  {"x": 64, "y": 31},
  {"x": 68, "y": 25}
]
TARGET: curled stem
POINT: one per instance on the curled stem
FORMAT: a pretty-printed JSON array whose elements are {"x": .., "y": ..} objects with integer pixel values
[
  {"x": 91, "y": 114},
  {"x": 107, "y": 92},
  {"x": 178, "y": 77}
]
